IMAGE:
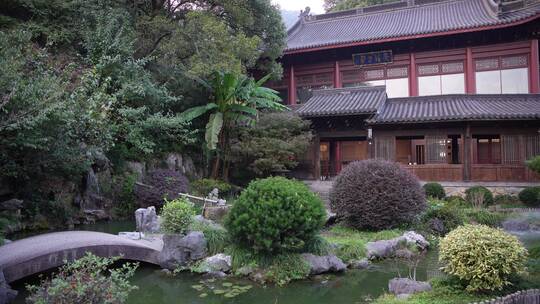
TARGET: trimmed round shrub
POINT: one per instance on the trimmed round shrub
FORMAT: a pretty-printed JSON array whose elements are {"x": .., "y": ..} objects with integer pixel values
[
  {"x": 159, "y": 185},
  {"x": 530, "y": 196},
  {"x": 376, "y": 194},
  {"x": 434, "y": 190},
  {"x": 275, "y": 215},
  {"x": 483, "y": 258},
  {"x": 479, "y": 195},
  {"x": 440, "y": 221},
  {"x": 177, "y": 215}
]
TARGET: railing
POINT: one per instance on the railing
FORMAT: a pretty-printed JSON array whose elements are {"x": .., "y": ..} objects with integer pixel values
[{"x": 531, "y": 296}]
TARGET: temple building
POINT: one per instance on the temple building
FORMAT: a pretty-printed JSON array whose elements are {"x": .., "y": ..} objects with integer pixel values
[{"x": 449, "y": 89}]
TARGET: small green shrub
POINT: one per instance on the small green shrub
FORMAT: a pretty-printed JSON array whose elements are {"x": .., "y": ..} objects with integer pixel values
[
  {"x": 216, "y": 237},
  {"x": 86, "y": 280},
  {"x": 286, "y": 268},
  {"x": 177, "y": 215},
  {"x": 204, "y": 186},
  {"x": 434, "y": 190},
  {"x": 456, "y": 201},
  {"x": 506, "y": 200},
  {"x": 484, "y": 217},
  {"x": 483, "y": 257},
  {"x": 376, "y": 194},
  {"x": 275, "y": 215},
  {"x": 440, "y": 221},
  {"x": 530, "y": 196},
  {"x": 534, "y": 164},
  {"x": 479, "y": 196},
  {"x": 318, "y": 246}
]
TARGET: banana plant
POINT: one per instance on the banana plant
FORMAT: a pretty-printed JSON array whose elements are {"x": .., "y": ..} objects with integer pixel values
[{"x": 235, "y": 98}]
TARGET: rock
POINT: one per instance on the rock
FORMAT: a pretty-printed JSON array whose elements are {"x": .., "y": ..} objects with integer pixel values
[
  {"x": 437, "y": 225},
  {"x": 258, "y": 276},
  {"x": 382, "y": 249},
  {"x": 216, "y": 213},
  {"x": 92, "y": 216},
  {"x": 245, "y": 271},
  {"x": 360, "y": 264},
  {"x": 6, "y": 293},
  {"x": 322, "y": 264},
  {"x": 147, "y": 220},
  {"x": 404, "y": 254},
  {"x": 179, "y": 250},
  {"x": 407, "y": 286},
  {"x": 331, "y": 217},
  {"x": 516, "y": 225},
  {"x": 218, "y": 262},
  {"x": 11, "y": 205},
  {"x": 131, "y": 235},
  {"x": 215, "y": 274},
  {"x": 417, "y": 239},
  {"x": 136, "y": 168}
]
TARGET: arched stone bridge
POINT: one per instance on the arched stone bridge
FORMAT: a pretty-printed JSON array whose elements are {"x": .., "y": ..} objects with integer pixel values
[{"x": 36, "y": 254}]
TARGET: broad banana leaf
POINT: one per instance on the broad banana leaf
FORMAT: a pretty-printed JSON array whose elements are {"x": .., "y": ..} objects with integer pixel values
[
  {"x": 213, "y": 129},
  {"x": 195, "y": 112}
]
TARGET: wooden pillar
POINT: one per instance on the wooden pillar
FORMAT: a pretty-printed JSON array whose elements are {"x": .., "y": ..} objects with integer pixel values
[
  {"x": 317, "y": 157},
  {"x": 534, "y": 68},
  {"x": 413, "y": 79},
  {"x": 467, "y": 153},
  {"x": 371, "y": 144},
  {"x": 337, "y": 156},
  {"x": 337, "y": 76},
  {"x": 292, "y": 86},
  {"x": 470, "y": 79}
]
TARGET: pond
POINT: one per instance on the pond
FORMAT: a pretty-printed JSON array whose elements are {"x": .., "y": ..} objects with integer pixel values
[{"x": 354, "y": 286}]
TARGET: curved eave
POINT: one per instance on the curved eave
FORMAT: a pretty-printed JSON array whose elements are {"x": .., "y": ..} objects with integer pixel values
[
  {"x": 321, "y": 47},
  {"x": 373, "y": 122}
]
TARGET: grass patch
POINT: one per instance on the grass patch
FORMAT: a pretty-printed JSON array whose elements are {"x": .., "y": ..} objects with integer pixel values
[
  {"x": 216, "y": 237},
  {"x": 351, "y": 243}
]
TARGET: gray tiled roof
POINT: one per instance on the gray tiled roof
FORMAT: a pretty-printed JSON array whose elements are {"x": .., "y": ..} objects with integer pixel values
[
  {"x": 348, "y": 101},
  {"x": 359, "y": 26},
  {"x": 459, "y": 108}
]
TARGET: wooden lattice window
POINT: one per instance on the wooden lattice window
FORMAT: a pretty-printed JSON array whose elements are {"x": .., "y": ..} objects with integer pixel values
[
  {"x": 385, "y": 147},
  {"x": 510, "y": 150},
  {"x": 436, "y": 150},
  {"x": 532, "y": 146}
]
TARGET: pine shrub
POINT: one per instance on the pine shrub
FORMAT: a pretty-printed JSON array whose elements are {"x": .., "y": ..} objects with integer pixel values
[
  {"x": 434, "y": 190},
  {"x": 530, "y": 196},
  {"x": 376, "y": 194},
  {"x": 483, "y": 258},
  {"x": 177, "y": 216},
  {"x": 275, "y": 215}
]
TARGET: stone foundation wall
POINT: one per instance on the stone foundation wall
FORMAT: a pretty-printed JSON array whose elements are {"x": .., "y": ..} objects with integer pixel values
[{"x": 496, "y": 190}]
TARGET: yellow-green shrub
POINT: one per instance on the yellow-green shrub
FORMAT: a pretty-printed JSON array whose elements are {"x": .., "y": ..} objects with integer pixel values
[
  {"x": 482, "y": 257},
  {"x": 177, "y": 215}
]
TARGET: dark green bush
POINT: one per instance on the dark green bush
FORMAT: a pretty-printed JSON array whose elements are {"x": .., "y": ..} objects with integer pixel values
[
  {"x": 530, "y": 196},
  {"x": 440, "y": 221},
  {"x": 506, "y": 199},
  {"x": 434, "y": 190},
  {"x": 484, "y": 217},
  {"x": 159, "y": 185},
  {"x": 204, "y": 186},
  {"x": 376, "y": 194},
  {"x": 456, "y": 201},
  {"x": 534, "y": 164},
  {"x": 275, "y": 215},
  {"x": 472, "y": 195}
]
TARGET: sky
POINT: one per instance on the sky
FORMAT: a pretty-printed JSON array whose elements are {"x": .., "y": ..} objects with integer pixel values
[{"x": 297, "y": 5}]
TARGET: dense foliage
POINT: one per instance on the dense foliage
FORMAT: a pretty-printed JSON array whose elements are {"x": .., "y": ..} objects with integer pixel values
[
  {"x": 177, "y": 216},
  {"x": 530, "y": 196},
  {"x": 534, "y": 164},
  {"x": 483, "y": 257},
  {"x": 376, "y": 194},
  {"x": 479, "y": 196},
  {"x": 275, "y": 144},
  {"x": 204, "y": 186},
  {"x": 434, "y": 190},
  {"x": 86, "y": 280},
  {"x": 160, "y": 185},
  {"x": 275, "y": 215},
  {"x": 439, "y": 220}
]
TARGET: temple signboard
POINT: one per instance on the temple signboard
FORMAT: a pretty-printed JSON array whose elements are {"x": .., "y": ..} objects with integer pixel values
[{"x": 372, "y": 58}]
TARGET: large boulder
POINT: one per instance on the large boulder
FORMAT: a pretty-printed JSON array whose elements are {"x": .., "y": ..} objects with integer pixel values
[
  {"x": 6, "y": 293},
  {"x": 147, "y": 220},
  {"x": 405, "y": 286},
  {"x": 216, "y": 263},
  {"x": 382, "y": 249},
  {"x": 216, "y": 213},
  {"x": 322, "y": 264},
  {"x": 416, "y": 239},
  {"x": 179, "y": 250}
]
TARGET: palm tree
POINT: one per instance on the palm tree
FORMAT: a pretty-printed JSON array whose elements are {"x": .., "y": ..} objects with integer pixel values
[{"x": 235, "y": 98}]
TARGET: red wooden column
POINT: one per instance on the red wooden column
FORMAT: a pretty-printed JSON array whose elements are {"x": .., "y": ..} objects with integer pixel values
[
  {"x": 470, "y": 80},
  {"x": 337, "y": 157},
  {"x": 292, "y": 86},
  {"x": 413, "y": 79},
  {"x": 467, "y": 153},
  {"x": 534, "y": 67},
  {"x": 337, "y": 76}
]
